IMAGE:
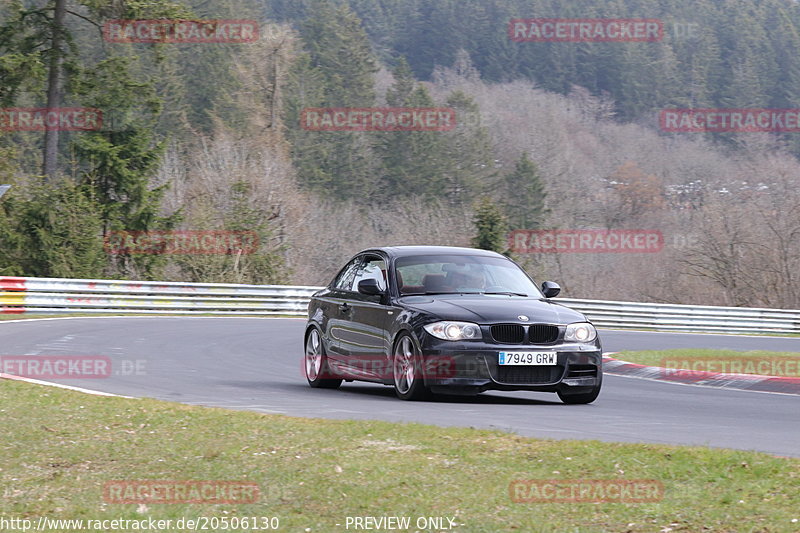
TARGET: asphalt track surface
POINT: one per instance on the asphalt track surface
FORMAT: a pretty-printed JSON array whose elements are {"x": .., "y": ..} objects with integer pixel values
[{"x": 255, "y": 365}]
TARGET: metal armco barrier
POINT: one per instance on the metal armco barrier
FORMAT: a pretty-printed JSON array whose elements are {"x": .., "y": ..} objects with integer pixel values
[{"x": 52, "y": 295}]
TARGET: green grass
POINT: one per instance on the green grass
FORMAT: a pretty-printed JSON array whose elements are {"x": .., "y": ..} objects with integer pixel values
[
  {"x": 752, "y": 362},
  {"x": 60, "y": 447}
]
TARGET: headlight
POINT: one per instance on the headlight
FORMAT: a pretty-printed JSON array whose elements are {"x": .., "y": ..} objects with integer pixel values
[
  {"x": 454, "y": 331},
  {"x": 580, "y": 332}
]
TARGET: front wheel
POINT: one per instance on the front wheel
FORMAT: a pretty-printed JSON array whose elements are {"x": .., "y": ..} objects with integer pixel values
[
  {"x": 407, "y": 371},
  {"x": 581, "y": 398},
  {"x": 316, "y": 364}
]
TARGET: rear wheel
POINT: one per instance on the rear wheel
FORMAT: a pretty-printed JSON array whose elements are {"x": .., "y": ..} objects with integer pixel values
[
  {"x": 407, "y": 371},
  {"x": 316, "y": 363}
]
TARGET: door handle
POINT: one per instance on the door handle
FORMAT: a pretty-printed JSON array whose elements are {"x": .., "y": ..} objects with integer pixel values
[{"x": 345, "y": 308}]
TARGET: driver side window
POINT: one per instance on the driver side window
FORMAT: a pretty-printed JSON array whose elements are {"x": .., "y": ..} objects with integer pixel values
[{"x": 371, "y": 268}]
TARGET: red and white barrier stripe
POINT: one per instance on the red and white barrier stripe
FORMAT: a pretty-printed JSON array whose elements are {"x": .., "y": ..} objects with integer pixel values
[{"x": 750, "y": 382}]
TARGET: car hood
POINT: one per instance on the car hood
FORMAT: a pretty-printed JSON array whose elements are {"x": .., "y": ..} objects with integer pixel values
[{"x": 493, "y": 309}]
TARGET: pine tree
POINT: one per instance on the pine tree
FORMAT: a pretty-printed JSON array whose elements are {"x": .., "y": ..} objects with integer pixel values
[
  {"x": 524, "y": 195},
  {"x": 22, "y": 58},
  {"x": 491, "y": 227},
  {"x": 470, "y": 164},
  {"x": 741, "y": 54},
  {"x": 37, "y": 43},
  {"x": 414, "y": 162},
  {"x": 119, "y": 160},
  {"x": 404, "y": 84},
  {"x": 51, "y": 230},
  {"x": 431, "y": 35},
  {"x": 336, "y": 70},
  {"x": 340, "y": 50}
]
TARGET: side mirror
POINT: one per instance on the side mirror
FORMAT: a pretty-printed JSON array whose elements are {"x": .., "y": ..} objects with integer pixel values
[
  {"x": 369, "y": 287},
  {"x": 550, "y": 289}
]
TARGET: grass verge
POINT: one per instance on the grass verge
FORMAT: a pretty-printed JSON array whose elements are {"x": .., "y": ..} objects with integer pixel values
[
  {"x": 781, "y": 364},
  {"x": 59, "y": 448}
]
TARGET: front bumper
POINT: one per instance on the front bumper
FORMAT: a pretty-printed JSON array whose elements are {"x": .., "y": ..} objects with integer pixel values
[{"x": 472, "y": 367}]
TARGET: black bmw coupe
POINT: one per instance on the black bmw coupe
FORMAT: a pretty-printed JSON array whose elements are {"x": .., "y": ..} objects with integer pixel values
[{"x": 431, "y": 319}]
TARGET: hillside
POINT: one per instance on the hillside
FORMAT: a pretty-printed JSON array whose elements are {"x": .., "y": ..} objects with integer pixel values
[{"x": 550, "y": 135}]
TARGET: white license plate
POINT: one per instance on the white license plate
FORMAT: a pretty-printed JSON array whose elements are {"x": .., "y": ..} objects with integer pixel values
[{"x": 527, "y": 358}]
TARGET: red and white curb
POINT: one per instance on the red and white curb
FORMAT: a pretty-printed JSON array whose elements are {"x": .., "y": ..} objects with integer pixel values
[{"x": 749, "y": 382}]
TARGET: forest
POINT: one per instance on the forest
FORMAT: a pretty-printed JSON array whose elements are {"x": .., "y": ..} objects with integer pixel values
[{"x": 549, "y": 135}]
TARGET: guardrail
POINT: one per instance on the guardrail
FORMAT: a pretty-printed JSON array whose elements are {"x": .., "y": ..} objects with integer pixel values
[
  {"x": 673, "y": 317},
  {"x": 53, "y": 295}
]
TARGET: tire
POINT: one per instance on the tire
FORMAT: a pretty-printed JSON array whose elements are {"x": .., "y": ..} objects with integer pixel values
[
  {"x": 407, "y": 370},
  {"x": 315, "y": 363},
  {"x": 581, "y": 398}
]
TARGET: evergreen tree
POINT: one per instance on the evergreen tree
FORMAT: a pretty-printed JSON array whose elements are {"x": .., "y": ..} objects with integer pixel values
[
  {"x": 51, "y": 230},
  {"x": 432, "y": 35},
  {"x": 404, "y": 84},
  {"x": 22, "y": 58},
  {"x": 470, "y": 165},
  {"x": 524, "y": 195},
  {"x": 413, "y": 161},
  {"x": 36, "y": 41},
  {"x": 336, "y": 70},
  {"x": 739, "y": 54},
  {"x": 491, "y": 227},
  {"x": 119, "y": 160},
  {"x": 339, "y": 49}
]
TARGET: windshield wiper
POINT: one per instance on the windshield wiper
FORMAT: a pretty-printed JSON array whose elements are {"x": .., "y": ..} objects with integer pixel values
[
  {"x": 505, "y": 293},
  {"x": 427, "y": 293}
]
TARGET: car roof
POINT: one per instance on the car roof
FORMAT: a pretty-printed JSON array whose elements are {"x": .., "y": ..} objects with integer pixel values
[{"x": 406, "y": 251}]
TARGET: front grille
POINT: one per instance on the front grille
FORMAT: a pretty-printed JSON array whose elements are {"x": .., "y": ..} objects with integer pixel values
[
  {"x": 531, "y": 375},
  {"x": 542, "y": 334},
  {"x": 508, "y": 333}
]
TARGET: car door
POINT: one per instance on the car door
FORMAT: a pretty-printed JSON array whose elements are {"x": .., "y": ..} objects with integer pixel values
[
  {"x": 336, "y": 311},
  {"x": 366, "y": 336}
]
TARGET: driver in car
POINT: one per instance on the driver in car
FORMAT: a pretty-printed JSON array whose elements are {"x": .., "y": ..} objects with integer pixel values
[{"x": 468, "y": 280}]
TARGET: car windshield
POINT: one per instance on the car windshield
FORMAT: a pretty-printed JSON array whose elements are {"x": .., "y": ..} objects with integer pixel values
[{"x": 462, "y": 274}]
